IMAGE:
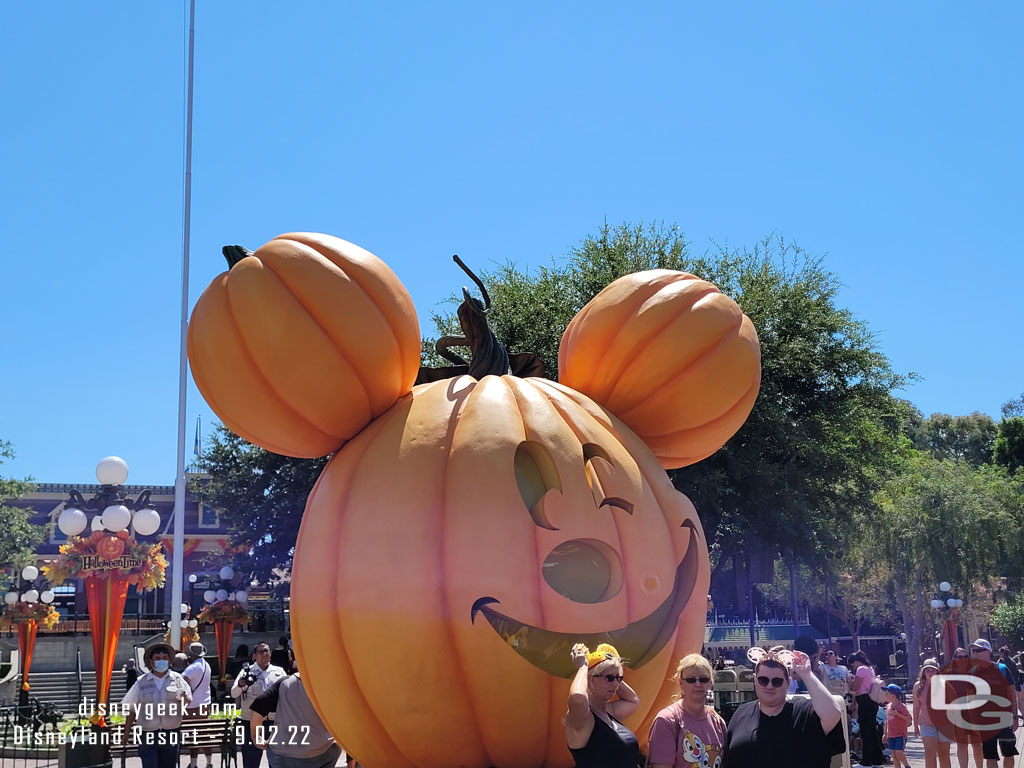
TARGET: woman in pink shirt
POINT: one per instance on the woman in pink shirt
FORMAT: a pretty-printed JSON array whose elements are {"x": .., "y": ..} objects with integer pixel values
[
  {"x": 688, "y": 732},
  {"x": 867, "y": 711}
]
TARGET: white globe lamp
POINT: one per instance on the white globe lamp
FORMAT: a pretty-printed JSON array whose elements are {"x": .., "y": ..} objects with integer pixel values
[
  {"x": 227, "y": 573},
  {"x": 936, "y": 604},
  {"x": 146, "y": 522},
  {"x": 222, "y": 594},
  {"x": 112, "y": 471},
  {"x": 30, "y": 573},
  {"x": 209, "y": 595},
  {"x": 47, "y": 597},
  {"x": 945, "y": 586},
  {"x": 72, "y": 521},
  {"x": 97, "y": 523},
  {"x": 32, "y": 596},
  {"x": 116, "y": 517},
  {"x": 241, "y": 596},
  {"x": 11, "y": 598}
]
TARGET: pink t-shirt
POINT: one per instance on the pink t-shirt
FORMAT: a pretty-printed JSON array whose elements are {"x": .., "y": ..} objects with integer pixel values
[
  {"x": 896, "y": 727},
  {"x": 865, "y": 676},
  {"x": 678, "y": 738}
]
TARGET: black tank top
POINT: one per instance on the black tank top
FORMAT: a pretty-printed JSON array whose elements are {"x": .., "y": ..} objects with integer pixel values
[{"x": 612, "y": 746}]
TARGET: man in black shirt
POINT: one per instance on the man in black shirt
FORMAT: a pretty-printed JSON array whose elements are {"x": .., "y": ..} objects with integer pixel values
[{"x": 775, "y": 733}]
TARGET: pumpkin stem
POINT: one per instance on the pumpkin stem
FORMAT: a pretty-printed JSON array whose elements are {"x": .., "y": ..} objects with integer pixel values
[
  {"x": 235, "y": 253},
  {"x": 489, "y": 356}
]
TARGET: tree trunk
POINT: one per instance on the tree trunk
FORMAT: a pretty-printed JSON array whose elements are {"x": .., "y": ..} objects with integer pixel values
[{"x": 913, "y": 643}]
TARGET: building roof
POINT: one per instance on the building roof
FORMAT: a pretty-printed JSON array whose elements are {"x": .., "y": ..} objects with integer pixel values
[{"x": 764, "y": 634}]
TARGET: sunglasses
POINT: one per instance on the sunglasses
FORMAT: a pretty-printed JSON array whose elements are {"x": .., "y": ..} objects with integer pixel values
[
  {"x": 610, "y": 678},
  {"x": 704, "y": 679},
  {"x": 960, "y": 656},
  {"x": 776, "y": 682},
  {"x": 977, "y": 650}
]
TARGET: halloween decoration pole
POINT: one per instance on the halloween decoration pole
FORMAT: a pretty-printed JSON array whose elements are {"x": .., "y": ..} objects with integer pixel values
[
  {"x": 109, "y": 560},
  {"x": 225, "y": 607},
  {"x": 27, "y": 610}
]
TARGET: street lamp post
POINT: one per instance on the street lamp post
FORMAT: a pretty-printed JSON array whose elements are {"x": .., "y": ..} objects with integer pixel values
[
  {"x": 116, "y": 520},
  {"x": 27, "y": 592},
  {"x": 947, "y": 606}
]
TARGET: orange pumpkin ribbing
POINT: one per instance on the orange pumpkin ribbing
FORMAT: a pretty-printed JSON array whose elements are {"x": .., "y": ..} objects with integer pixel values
[
  {"x": 293, "y": 349},
  {"x": 670, "y": 355},
  {"x": 418, "y": 517}
]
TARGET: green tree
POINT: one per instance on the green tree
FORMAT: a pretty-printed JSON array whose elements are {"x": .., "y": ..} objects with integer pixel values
[
  {"x": 965, "y": 438},
  {"x": 20, "y": 538},
  {"x": 261, "y": 496},
  {"x": 853, "y": 586},
  {"x": 1008, "y": 450},
  {"x": 942, "y": 520},
  {"x": 1014, "y": 407},
  {"x": 1008, "y": 618}
]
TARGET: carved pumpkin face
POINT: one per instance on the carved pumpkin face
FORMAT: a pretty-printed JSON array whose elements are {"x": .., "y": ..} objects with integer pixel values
[
  {"x": 110, "y": 547},
  {"x": 461, "y": 544}
]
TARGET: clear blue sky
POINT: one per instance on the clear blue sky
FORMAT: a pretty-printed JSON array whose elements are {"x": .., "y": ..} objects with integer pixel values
[{"x": 882, "y": 136}]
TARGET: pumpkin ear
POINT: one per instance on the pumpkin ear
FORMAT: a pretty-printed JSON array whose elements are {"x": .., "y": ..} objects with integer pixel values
[
  {"x": 671, "y": 356},
  {"x": 298, "y": 346}
]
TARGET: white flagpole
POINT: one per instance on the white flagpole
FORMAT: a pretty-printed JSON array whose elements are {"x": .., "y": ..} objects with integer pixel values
[{"x": 178, "y": 564}]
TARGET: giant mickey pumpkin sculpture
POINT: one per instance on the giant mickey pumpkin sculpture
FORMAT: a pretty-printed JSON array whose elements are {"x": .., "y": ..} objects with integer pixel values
[{"x": 475, "y": 527}]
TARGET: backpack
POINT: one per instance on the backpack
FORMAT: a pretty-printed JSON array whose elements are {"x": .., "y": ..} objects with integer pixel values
[{"x": 877, "y": 693}]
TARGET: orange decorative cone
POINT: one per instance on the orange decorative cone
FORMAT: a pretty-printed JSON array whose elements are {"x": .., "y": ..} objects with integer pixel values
[
  {"x": 223, "y": 629},
  {"x": 26, "y": 643},
  {"x": 105, "y": 595}
]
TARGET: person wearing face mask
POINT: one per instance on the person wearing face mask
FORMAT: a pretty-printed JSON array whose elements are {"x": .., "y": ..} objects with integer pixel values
[{"x": 156, "y": 704}]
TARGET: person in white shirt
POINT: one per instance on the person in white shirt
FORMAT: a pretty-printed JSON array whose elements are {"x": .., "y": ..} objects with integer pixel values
[
  {"x": 156, "y": 704},
  {"x": 253, "y": 680},
  {"x": 198, "y": 675}
]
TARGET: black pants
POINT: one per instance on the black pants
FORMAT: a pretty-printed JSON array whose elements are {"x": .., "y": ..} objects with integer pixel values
[
  {"x": 251, "y": 754},
  {"x": 867, "y": 718},
  {"x": 157, "y": 752}
]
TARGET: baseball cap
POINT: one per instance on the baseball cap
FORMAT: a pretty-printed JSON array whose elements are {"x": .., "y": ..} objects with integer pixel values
[
  {"x": 982, "y": 643},
  {"x": 893, "y": 688},
  {"x": 930, "y": 663}
]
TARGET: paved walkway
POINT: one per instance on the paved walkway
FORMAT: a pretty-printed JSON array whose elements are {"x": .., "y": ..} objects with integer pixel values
[{"x": 915, "y": 752}]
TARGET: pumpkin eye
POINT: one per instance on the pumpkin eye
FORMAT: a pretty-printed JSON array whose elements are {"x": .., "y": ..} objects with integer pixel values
[
  {"x": 583, "y": 570},
  {"x": 598, "y": 464},
  {"x": 536, "y": 474}
]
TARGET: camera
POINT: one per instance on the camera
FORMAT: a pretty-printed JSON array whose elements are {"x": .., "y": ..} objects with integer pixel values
[{"x": 248, "y": 676}]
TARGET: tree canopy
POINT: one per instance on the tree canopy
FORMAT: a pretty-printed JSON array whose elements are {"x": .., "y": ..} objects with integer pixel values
[
  {"x": 1008, "y": 450},
  {"x": 261, "y": 496},
  {"x": 20, "y": 537}
]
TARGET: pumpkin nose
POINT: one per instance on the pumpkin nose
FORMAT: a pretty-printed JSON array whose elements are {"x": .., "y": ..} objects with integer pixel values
[{"x": 584, "y": 570}]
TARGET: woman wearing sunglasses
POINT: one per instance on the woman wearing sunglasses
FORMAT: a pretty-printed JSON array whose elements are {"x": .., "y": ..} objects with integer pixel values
[
  {"x": 599, "y": 700},
  {"x": 688, "y": 732},
  {"x": 772, "y": 732}
]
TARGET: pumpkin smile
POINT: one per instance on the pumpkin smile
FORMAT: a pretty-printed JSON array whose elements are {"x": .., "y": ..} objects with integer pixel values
[{"x": 639, "y": 641}]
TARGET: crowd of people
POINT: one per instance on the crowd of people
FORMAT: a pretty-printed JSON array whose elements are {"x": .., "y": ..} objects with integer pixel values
[
  {"x": 796, "y": 719},
  {"x": 272, "y": 703},
  {"x": 776, "y": 729}
]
